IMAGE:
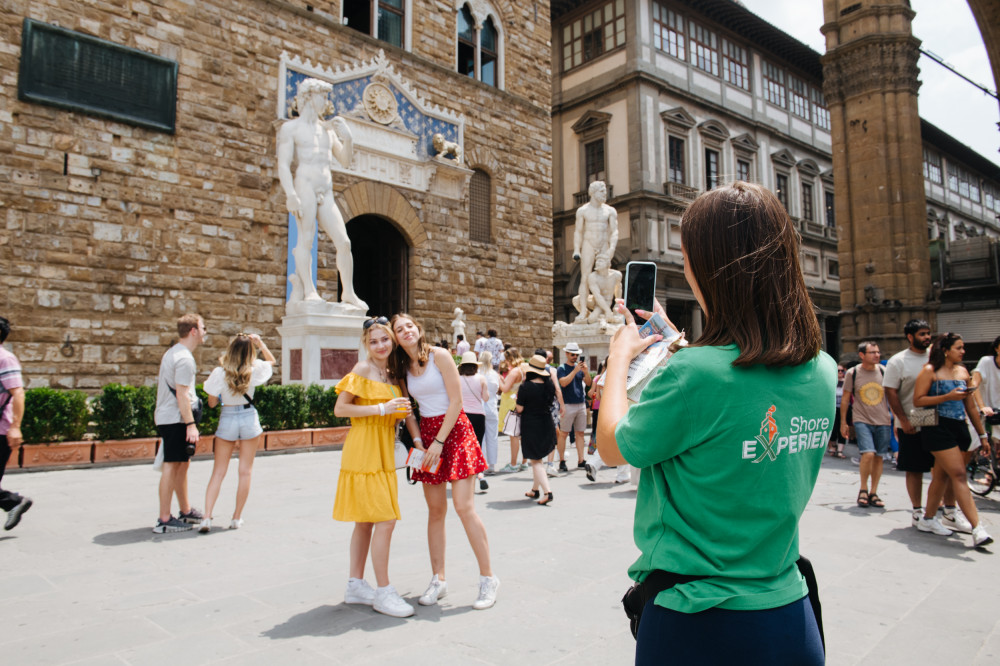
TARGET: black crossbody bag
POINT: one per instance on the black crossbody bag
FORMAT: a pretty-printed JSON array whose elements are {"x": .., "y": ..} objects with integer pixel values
[{"x": 638, "y": 595}]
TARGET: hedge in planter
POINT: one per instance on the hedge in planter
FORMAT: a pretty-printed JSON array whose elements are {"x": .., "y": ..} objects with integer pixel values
[
  {"x": 322, "y": 402},
  {"x": 281, "y": 406},
  {"x": 52, "y": 415}
]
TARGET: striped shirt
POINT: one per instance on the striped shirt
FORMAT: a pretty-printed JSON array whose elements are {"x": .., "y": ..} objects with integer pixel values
[{"x": 10, "y": 378}]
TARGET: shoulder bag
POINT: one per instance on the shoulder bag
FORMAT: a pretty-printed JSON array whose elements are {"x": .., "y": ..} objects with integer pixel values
[{"x": 924, "y": 416}]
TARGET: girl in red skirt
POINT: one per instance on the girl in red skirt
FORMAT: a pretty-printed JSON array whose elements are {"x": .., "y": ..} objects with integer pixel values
[{"x": 432, "y": 380}]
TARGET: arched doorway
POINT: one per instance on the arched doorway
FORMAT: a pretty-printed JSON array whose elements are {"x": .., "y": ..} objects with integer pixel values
[{"x": 380, "y": 264}]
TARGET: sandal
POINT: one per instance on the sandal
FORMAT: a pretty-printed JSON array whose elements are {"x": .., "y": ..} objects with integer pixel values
[
  {"x": 548, "y": 498},
  {"x": 840, "y": 455},
  {"x": 875, "y": 501},
  {"x": 863, "y": 501},
  {"x": 532, "y": 494}
]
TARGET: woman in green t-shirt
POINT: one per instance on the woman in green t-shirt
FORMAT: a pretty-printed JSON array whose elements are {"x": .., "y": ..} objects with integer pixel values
[{"x": 729, "y": 437}]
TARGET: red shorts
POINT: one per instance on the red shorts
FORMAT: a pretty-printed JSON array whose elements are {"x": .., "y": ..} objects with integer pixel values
[{"x": 461, "y": 456}]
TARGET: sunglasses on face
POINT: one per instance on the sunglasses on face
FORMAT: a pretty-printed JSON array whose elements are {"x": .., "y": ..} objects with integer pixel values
[{"x": 382, "y": 321}]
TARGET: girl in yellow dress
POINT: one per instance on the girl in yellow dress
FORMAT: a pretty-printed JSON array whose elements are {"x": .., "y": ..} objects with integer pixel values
[
  {"x": 512, "y": 379},
  {"x": 366, "y": 490}
]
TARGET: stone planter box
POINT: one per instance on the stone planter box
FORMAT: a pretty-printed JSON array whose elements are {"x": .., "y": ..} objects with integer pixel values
[
  {"x": 121, "y": 450},
  {"x": 54, "y": 455},
  {"x": 287, "y": 439},
  {"x": 330, "y": 436},
  {"x": 205, "y": 446}
]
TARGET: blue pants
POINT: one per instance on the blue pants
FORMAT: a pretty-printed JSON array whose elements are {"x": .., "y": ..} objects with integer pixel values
[{"x": 785, "y": 635}]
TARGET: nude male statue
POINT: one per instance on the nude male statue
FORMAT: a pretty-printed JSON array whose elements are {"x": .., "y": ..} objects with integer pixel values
[
  {"x": 596, "y": 233},
  {"x": 309, "y": 195},
  {"x": 605, "y": 285}
]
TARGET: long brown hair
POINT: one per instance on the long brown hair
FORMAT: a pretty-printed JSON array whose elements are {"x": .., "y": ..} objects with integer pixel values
[
  {"x": 743, "y": 252},
  {"x": 942, "y": 344},
  {"x": 399, "y": 360},
  {"x": 237, "y": 362}
]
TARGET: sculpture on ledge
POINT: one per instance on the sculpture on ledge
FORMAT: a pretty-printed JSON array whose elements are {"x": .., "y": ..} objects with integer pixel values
[
  {"x": 313, "y": 142},
  {"x": 596, "y": 235},
  {"x": 605, "y": 285},
  {"x": 457, "y": 326},
  {"x": 443, "y": 148}
]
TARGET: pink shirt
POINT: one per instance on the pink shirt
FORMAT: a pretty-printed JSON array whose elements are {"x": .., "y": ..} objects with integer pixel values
[
  {"x": 472, "y": 394},
  {"x": 10, "y": 377}
]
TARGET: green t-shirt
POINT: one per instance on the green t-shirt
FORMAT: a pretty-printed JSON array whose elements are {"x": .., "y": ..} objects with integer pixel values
[{"x": 729, "y": 458}]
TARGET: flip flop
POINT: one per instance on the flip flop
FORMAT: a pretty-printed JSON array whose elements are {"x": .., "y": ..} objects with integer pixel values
[
  {"x": 875, "y": 501},
  {"x": 863, "y": 501}
]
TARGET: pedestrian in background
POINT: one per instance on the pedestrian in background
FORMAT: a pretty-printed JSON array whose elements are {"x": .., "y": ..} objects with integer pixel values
[
  {"x": 491, "y": 436},
  {"x": 837, "y": 440},
  {"x": 872, "y": 424},
  {"x": 474, "y": 396},
  {"x": 511, "y": 376},
  {"x": 11, "y": 413},
  {"x": 538, "y": 436}
]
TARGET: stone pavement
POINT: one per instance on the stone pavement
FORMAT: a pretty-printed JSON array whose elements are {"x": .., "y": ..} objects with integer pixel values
[{"x": 85, "y": 581}]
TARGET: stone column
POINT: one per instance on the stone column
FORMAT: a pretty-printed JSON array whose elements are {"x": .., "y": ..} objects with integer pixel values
[{"x": 870, "y": 84}]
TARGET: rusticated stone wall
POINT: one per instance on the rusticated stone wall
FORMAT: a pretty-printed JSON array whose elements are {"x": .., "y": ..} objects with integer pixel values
[{"x": 109, "y": 232}]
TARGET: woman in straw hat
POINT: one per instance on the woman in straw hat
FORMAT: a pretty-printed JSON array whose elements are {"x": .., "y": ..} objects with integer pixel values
[{"x": 538, "y": 435}]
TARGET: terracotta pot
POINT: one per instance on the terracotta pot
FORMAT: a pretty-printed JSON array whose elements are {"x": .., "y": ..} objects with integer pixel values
[
  {"x": 205, "y": 446},
  {"x": 287, "y": 439},
  {"x": 117, "y": 450},
  {"x": 330, "y": 436},
  {"x": 54, "y": 455}
]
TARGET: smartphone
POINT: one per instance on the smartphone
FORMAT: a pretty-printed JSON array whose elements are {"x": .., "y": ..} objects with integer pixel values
[
  {"x": 640, "y": 286},
  {"x": 971, "y": 389}
]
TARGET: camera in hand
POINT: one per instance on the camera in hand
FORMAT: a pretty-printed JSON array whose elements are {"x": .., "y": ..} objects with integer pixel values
[{"x": 190, "y": 449}]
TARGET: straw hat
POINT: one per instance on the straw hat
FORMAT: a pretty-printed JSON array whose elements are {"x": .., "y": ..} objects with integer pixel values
[
  {"x": 469, "y": 358},
  {"x": 537, "y": 366}
]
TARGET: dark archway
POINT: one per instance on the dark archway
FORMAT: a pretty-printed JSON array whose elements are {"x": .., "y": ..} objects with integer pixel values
[{"x": 381, "y": 256}]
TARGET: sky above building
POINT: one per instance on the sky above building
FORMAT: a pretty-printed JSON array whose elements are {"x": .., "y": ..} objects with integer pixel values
[{"x": 947, "y": 29}]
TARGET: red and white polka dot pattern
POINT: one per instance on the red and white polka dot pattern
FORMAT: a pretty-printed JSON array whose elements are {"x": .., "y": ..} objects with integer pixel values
[{"x": 461, "y": 456}]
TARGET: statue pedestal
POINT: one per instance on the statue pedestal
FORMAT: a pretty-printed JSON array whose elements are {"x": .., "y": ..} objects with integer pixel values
[
  {"x": 594, "y": 339},
  {"x": 319, "y": 347}
]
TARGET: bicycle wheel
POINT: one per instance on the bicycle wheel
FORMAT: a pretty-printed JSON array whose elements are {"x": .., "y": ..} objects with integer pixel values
[{"x": 981, "y": 477}]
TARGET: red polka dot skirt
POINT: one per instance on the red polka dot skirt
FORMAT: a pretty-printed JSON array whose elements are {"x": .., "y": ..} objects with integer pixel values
[{"x": 461, "y": 456}]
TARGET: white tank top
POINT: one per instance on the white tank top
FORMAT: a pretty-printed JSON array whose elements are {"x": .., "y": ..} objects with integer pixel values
[{"x": 428, "y": 389}]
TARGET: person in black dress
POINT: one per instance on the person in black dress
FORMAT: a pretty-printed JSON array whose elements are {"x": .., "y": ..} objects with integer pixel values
[{"x": 538, "y": 435}]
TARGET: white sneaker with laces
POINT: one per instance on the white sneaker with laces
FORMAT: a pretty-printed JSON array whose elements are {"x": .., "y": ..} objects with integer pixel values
[
  {"x": 487, "y": 592},
  {"x": 934, "y": 526},
  {"x": 550, "y": 470},
  {"x": 591, "y": 472},
  {"x": 918, "y": 513},
  {"x": 437, "y": 589},
  {"x": 236, "y": 523},
  {"x": 205, "y": 526},
  {"x": 954, "y": 519},
  {"x": 980, "y": 537},
  {"x": 359, "y": 592},
  {"x": 388, "y": 602},
  {"x": 624, "y": 474}
]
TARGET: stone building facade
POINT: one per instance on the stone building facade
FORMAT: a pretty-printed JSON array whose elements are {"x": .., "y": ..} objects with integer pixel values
[{"x": 111, "y": 231}]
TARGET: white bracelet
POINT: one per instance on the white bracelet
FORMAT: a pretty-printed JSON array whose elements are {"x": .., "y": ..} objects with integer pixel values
[{"x": 381, "y": 409}]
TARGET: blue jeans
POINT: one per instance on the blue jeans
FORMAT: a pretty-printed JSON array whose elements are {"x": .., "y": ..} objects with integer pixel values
[
  {"x": 873, "y": 438},
  {"x": 785, "y": 635}
]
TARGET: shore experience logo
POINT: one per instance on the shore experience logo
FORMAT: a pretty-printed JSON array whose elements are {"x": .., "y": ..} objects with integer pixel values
[{"x": 804, "y": 433}]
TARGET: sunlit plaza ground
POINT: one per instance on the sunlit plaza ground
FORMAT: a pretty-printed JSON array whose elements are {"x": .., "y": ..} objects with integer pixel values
[{"x": 84, "y": 580}]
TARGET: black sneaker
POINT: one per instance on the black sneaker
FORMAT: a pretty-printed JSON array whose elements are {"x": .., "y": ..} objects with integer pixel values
[
  {"x": 172, "y": 525},
  {"x": 194, "y": 516},
  {"x": 14, "y": 515},
  {"x": 582, "y": 464},
  {"x": 483, "y": 485},
  {"x": 562, "y": 466}
]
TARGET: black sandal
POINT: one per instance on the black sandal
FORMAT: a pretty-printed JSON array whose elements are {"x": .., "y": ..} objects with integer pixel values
[
  {"x": 532, "y": 494},
  {"x": 863, "y": 501},
  {"x": 875, "y": 501},
  {"x": 548, "y": 498}
]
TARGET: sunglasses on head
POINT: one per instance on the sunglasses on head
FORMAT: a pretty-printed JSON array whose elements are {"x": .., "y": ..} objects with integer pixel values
[{"x": 382, "y": 321}]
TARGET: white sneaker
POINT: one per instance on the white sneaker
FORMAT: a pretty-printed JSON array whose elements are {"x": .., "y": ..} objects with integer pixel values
[
  {"x": 918, "y": 513},
  {"x": 954, "y": 519},
  {"x": 591, "y": 472},
  {"x": 205, "y": 526},
  {"x": 933, "y": 525},
  {"x": 437, "y": 589},
  {"x": 236, "y": 523},
  {"x": 550, "y": 469},
  {"x": 980, "y": 537},
  {"x": 359, "y": 592},
  {"x": 487, "y": 592},
  {"x": 388, "y": 602},
  {"x": 624, "y": 474}
]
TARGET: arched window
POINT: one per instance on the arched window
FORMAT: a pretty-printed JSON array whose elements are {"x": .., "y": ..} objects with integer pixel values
[
  {"x": 480, "y": 207},
  {"x": 480, "y": 47}
]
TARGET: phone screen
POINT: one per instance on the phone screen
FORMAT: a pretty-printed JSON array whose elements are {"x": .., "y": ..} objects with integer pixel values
[{"x": 640, "y": 286}]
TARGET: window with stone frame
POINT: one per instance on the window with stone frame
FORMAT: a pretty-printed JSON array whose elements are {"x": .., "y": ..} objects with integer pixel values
[
  {"x": 833, "y": 268},
  {"x": 383, "y": 19},
  {"x": 781, "y": 189},
  {"x": 704, "y": 48},
  {"x": 991, "y": 197},
  {"x": 735, "y": 68},
  {"x": 774, "y": 85},
  {"x": 593, "y": 34},
  {"x": 478, "y": 48},
  {"x": 821, "y": 115},
  {"x": 963, "y": 182},
  {"x": 807, "y": 202},
  {"x": 593, "y": 160},
  {"x": 743, "y": 170},
  {"x": 480, "y": 206},
  {"x": 798, "y": 100},
  {"x": 711, "y": 169},
  {"x": 831, "y": 219},
  {"x": 676, "y": 164},
  {"x": 668, "y": 31},
  {"x": 932, "y": 166}
]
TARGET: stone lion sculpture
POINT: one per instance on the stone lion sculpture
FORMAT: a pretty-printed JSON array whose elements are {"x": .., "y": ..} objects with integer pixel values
[{"x": 443, "y": 148}]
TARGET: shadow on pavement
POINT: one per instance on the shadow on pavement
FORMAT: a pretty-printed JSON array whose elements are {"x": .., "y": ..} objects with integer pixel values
[
  {"x": 512, "y": 504},
  {"x": 10, "y": 536},
  {"x": 138, "y": 535},
  {"x": 330, "y": 620},
  {"x": 624, "y": 494},
  {"x": 956, "y": 546}
]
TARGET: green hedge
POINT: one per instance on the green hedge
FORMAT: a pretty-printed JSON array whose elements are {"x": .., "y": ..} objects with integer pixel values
[{"x": 51, "y": 415}]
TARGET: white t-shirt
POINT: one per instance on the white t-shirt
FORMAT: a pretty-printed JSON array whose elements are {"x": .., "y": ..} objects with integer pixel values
[
  {"x": 216, "y": 383},
  {"x": 901, "y": 374},
  {"x": 176, "y": 367},
  {"x": 989, "y": 390}
]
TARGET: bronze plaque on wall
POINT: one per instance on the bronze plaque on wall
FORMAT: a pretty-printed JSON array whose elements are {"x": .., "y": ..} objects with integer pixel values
[{"x": 81, "y": 73}]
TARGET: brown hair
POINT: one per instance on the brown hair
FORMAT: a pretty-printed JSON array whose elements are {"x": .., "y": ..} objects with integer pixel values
[
  {"x": 237, "y": 362},
  {"x": 743, "y": 252},
  {"x": 188, "y": 323},
  {"x": 942, "y": 344},
  {"x": 511, "y": 359},
  {"x": 399, "y": 360}
]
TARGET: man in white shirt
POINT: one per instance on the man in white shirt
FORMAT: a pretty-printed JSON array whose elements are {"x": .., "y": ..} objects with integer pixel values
[{"x": 175, "y": 422}]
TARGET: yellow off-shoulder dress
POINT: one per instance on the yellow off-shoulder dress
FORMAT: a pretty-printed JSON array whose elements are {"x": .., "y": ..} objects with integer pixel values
[{"x": 366, "y": 489}]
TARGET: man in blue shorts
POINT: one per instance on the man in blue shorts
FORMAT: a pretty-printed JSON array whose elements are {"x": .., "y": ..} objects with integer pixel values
[{"x": 872, "y": 425}]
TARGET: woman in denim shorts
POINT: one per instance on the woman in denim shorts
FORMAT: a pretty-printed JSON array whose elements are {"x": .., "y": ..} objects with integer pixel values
[{"x": 232, "y": 384}]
